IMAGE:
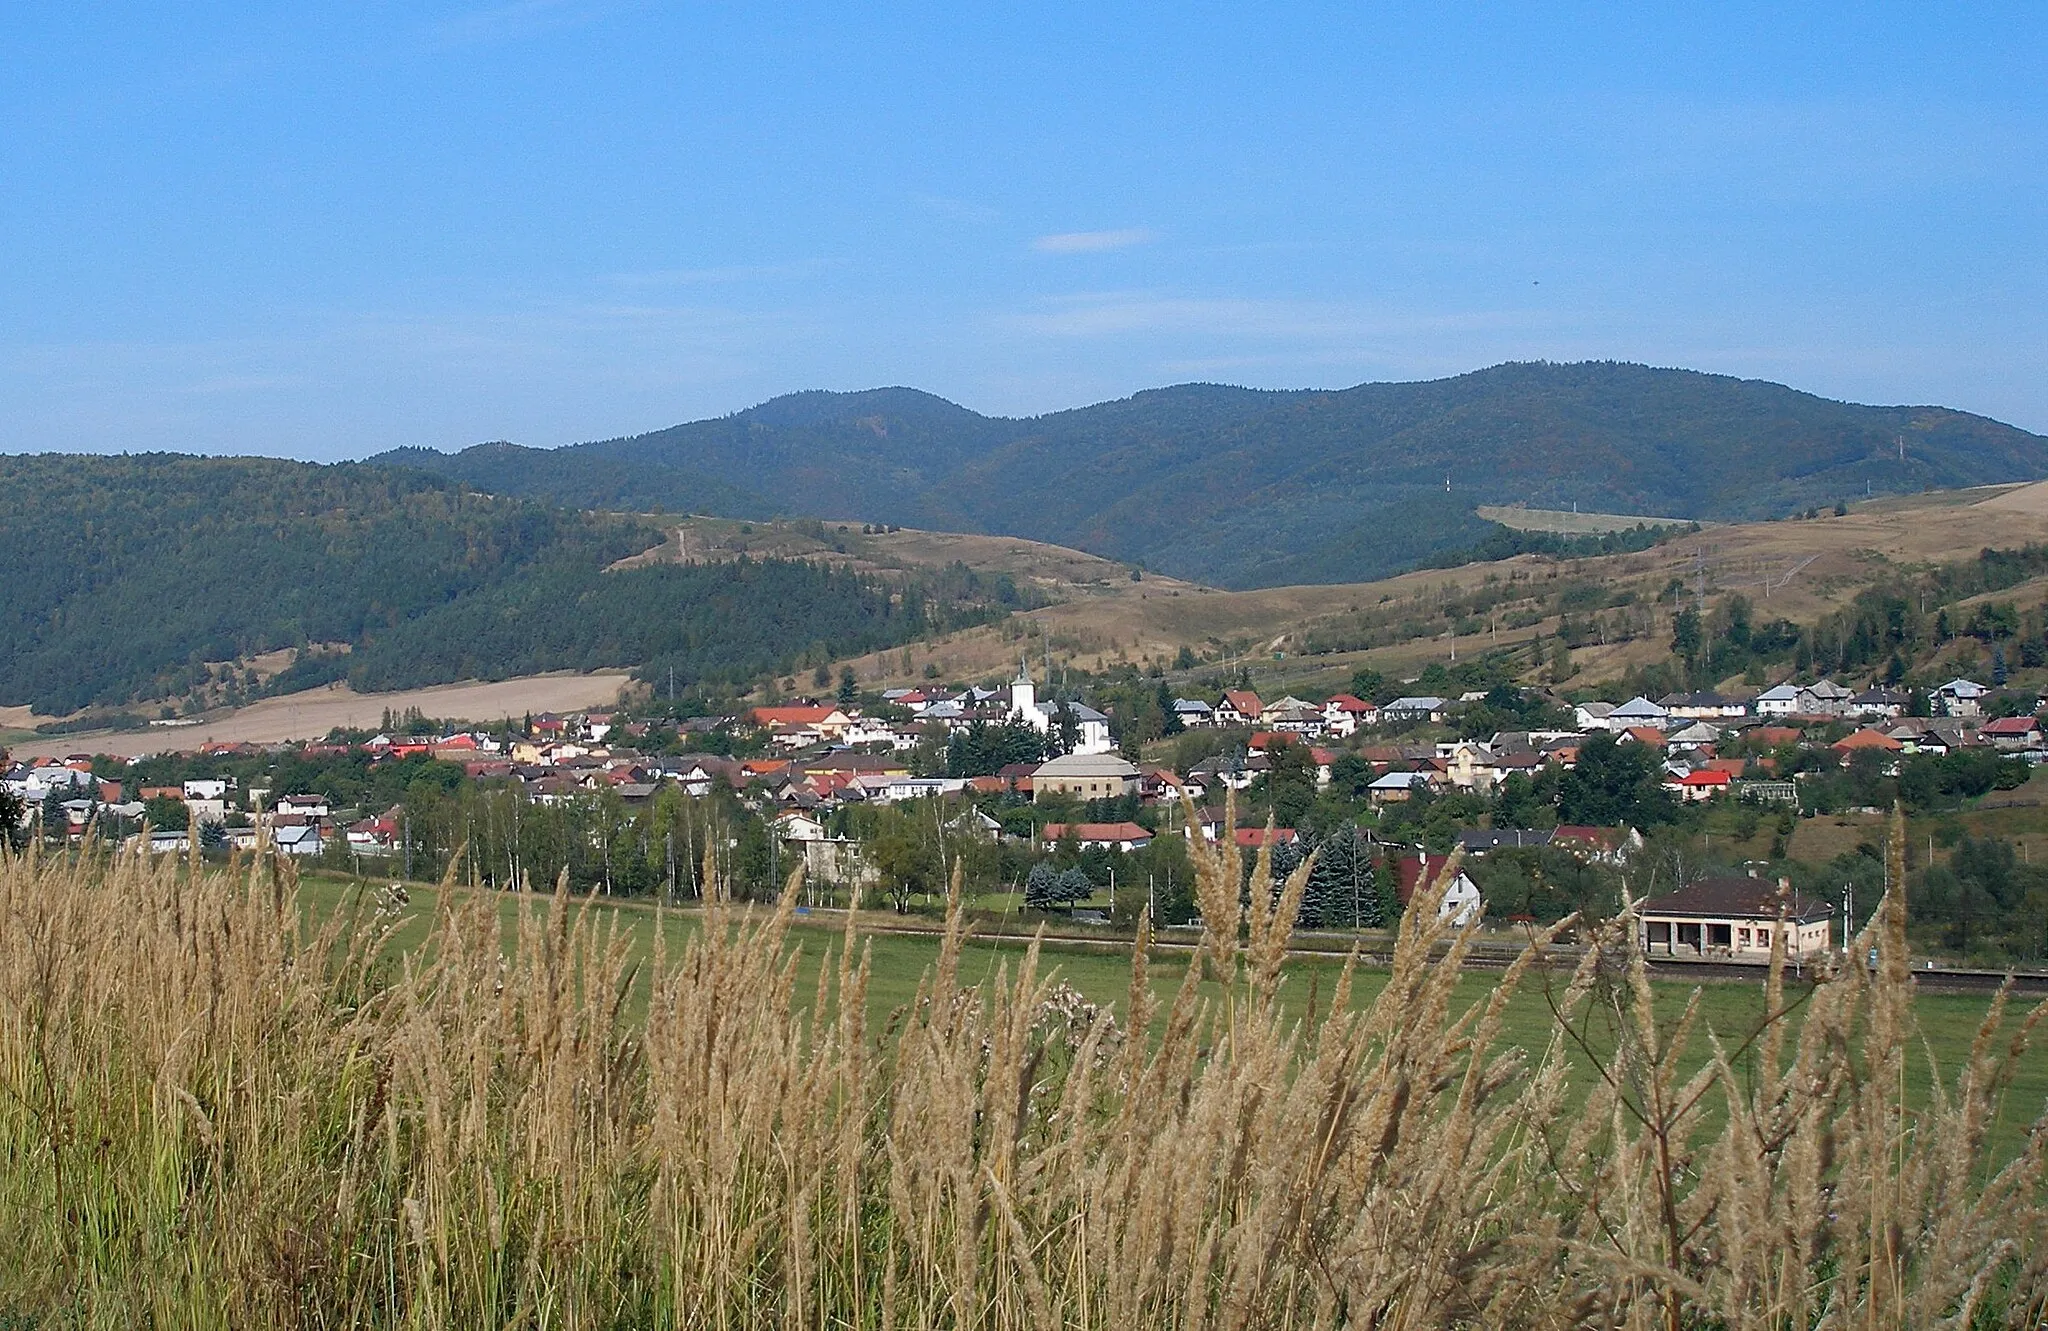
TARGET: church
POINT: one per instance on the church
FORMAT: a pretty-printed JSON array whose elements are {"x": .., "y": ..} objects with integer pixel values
[{"x": 1091, "y": 726}]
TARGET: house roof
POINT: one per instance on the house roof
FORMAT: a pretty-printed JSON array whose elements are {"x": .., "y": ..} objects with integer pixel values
[
  {"x": 1722, "y": 898},
  {"x": 1706, "y": 776},
  {"x": 1097, "y": 831},
  {"x": 1244, "y": 700},
  {"x": 1606, "y": 838},
  {"x": 2009, "y": 725},
  {"x": 1513, "y": 838},
  {"x": 791, "y": 716},
  {"x": 1867, "y": 738},
  {"x": 1251, "y": 838},
  {"x": 1411, "y": 870},
  {"x": 1086, "y": 765},
  {"x": 1345, "y": 702}
]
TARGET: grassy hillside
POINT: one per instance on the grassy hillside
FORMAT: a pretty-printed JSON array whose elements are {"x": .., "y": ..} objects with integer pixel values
[
  {"x": 1243, "y": 488},
  {"x": 187, "y": 581},
  {"x": 1615, "y": 610}
]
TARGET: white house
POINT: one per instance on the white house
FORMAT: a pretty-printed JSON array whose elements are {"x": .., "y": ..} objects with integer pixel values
[
  {"x": 1395, "y": 787},
  {"x": 1461, "y": 899},
  {"x": 1638, "y": 711},
  {"x": 1345, "y": 715},
  {"x": 1421, "y": 707},
  {"x": 1786, "y": 700},
  {"x": 1959, "y": 697},
  {"x": 1592, "y": 715}
]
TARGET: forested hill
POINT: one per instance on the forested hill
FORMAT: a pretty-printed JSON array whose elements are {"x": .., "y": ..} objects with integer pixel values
[
  {"x": 1243, "y": 488},
  {"x": 159, "y": 579}
]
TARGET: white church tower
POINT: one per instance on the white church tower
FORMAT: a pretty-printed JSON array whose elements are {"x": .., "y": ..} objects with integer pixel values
[{"x": 1024, "y": 699}]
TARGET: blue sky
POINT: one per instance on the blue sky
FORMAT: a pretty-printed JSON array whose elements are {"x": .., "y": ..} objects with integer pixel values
[{"x": 321, "y": 230}]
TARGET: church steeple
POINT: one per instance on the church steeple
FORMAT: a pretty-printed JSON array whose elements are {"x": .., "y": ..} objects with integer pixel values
[{"x": 1024, "y": 696}]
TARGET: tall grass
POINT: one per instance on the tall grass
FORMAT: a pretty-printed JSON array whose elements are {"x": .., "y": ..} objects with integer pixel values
[{"x": 211, "y": 1115}]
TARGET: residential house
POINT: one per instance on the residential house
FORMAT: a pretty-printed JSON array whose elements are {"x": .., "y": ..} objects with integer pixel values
[
  {"x": 1864, "y": 740},
  {"x": 1230, "y": 771},
  {"x": 1477, "y": 842},
  {"x": 1251, "y": 838},
  {"x": 1469, "y": 765},
  {"x": 1592, "y": 715},
  {"x": 1194, "y": 713},
  {"x": 1099, "y": 836},
  {"x": 1602, "y": 845},
  {"x": 1638, "y": 711},
  {"x": 1704, "y": 706},
  {"x": 1734, "y": 918},
  {"x": 1702, "y": 784},
  {"x": 1162, "y": 785},
  {"x": 1420, "y": 707},
  {"x": 2012, "y": 733},
  {"x": 297, "y": 837},
  {"x": 1461, "y": 901},
  {"x": 801, "y": 721},
  {"x": 1398, "y": 787},
  {"x": 1959, "y": 697},
  {"x": 1787, "y": 700},
  {"x": 797, "y": 825},
  {"x": 1293, "y": 716},
  {"x": 1879, "y": 704},
  {"x": 1698, "y": 735},
  {"x": 1345, "y": 715},
  {"x": 1830, "y": 698},
  {"x": 1238, "y": 707}
]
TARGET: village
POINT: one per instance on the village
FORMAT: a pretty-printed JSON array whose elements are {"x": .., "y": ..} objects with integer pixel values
[{"x": 1080, "y": 797}]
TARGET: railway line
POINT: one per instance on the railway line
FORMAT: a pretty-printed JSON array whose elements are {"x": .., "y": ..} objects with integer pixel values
[{"x": 1491, "y": 957}]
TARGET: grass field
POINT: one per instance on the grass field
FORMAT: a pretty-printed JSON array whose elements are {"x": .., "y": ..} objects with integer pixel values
[
  {"x": 310, "y": 715},
  {"x": 1731, "y": 1009},
  {"x": 1798, "y": 569},
  {"x": 1570, "y": 522},
  {"x": 466, "y": 1110}
]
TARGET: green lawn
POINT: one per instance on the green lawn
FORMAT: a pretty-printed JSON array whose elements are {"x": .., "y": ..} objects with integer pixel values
[{"x": 1731, "y": 1008}]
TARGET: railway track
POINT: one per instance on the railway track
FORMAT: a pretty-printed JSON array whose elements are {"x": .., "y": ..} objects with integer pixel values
[{"x": 1485, "y": 958}]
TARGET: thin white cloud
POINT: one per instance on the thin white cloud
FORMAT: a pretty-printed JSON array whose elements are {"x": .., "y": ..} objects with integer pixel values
[
  {"x": 1094, "y": 242},
  {"x": 1114, "y": 313}
]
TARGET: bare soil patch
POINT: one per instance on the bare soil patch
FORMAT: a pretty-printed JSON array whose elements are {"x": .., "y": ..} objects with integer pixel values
[{"x": 310, "y": 715}]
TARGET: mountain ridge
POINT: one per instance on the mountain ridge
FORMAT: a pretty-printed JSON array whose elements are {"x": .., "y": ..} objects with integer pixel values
[{"x": 1251, "y": 487}]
